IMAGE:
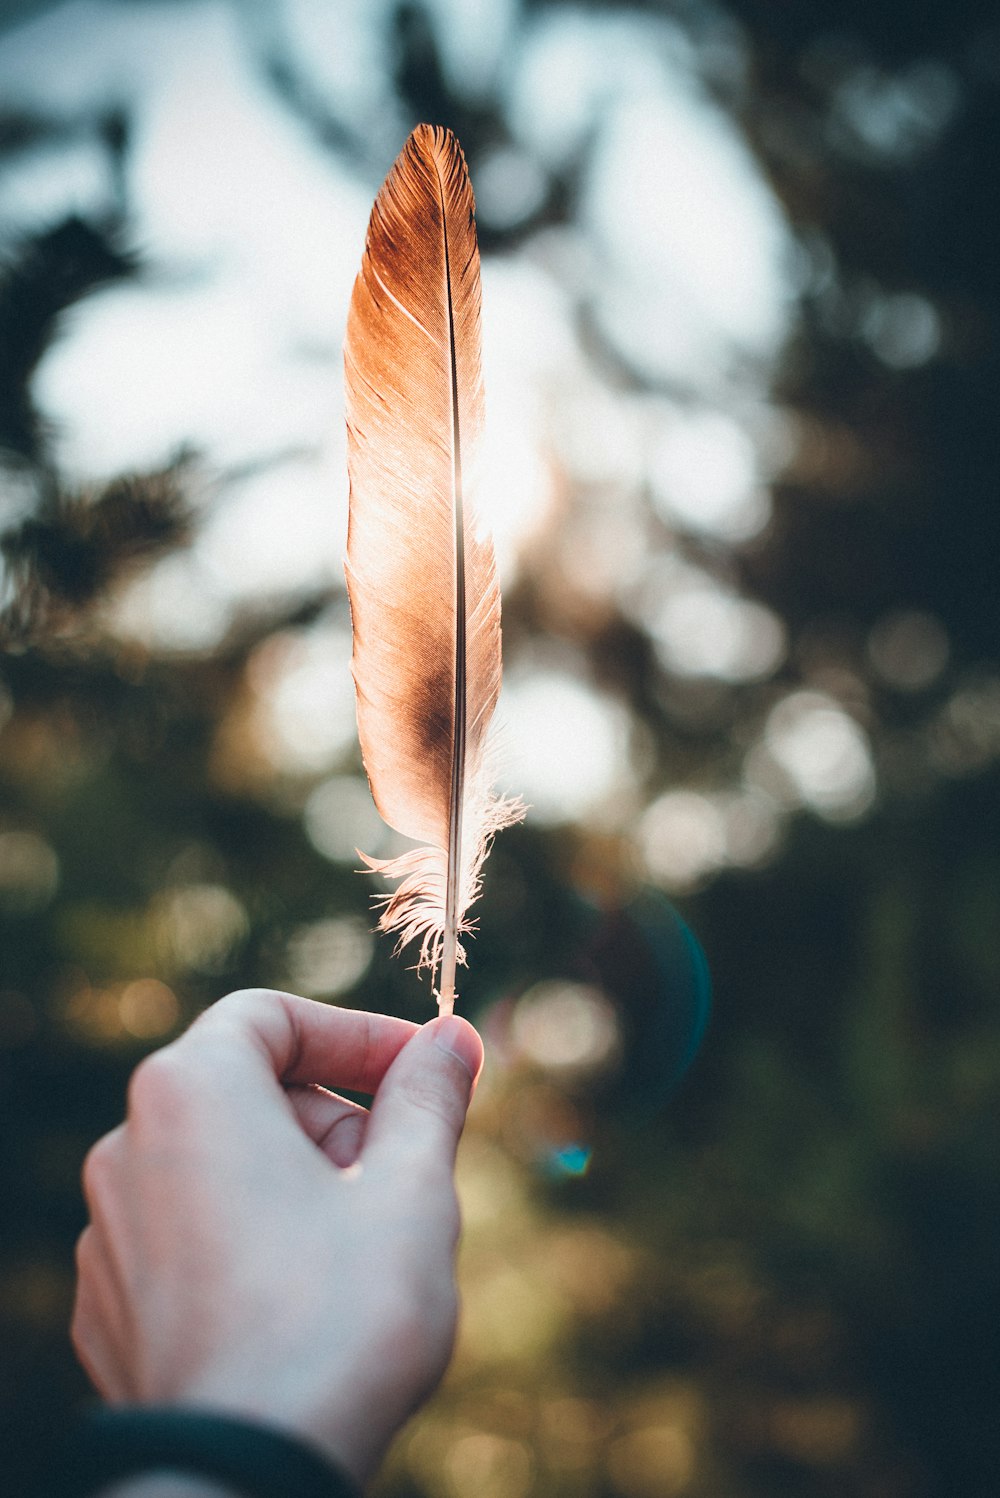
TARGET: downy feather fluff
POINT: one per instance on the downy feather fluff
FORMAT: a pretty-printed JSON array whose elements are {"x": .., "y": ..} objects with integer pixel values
[{"x": 421, "y": 574}]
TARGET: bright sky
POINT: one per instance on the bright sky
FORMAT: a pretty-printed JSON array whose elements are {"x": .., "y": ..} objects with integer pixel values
[{"x": 229, "y": 342}]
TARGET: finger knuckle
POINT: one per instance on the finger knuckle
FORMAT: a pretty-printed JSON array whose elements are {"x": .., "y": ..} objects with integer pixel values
[
  {"x": 245, "y": 1012},
  {"x": 98, "y": 1167},
  {"x": 242, "y": 1004},
  {"x": 84, "y": 1252},
  {"x": 156, "y": 1083}
]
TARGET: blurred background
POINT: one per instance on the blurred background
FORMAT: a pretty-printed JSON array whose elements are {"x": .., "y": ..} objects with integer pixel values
[{"x": 743, "y": 383}]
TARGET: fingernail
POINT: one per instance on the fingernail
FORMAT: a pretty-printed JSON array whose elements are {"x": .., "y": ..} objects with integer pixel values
[{"x": 458, "y": 1038}]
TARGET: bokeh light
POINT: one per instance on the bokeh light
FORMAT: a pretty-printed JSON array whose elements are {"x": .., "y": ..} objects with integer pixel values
[
  {"x": 701, "y": 628},
  {"x": 340, "y": 818},
  {"x": 329, "y": 957},
  {"x": 908, "y": 649},
  {"x": 568, "y": 1027},
  {"x": 966, "y": 732},
  {"x": 305, "y": 697},
  {"x": 563, "y": 746},
  {"x": 815, "y": 754},
  {"x": 683, "y": 838},
  {"x": 148, "y": 1008},
  {"x": 704, "y": 476},
  {"x": 29, "y": 871},
  {"x": 199, "y": 925}
]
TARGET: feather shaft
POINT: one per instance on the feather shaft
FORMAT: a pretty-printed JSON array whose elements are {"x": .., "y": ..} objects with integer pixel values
[{"x": 449, "y": 949}]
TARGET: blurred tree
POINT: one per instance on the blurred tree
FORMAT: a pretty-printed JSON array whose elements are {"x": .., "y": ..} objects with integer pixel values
[{"x": 789, "y": 1281}]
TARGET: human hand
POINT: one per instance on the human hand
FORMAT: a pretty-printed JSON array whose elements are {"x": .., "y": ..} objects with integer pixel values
[{"x": 261, "y": 1246}]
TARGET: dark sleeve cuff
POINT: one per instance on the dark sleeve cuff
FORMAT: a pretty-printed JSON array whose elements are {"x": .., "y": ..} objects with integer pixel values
[{"x": 110, "y": 1444}]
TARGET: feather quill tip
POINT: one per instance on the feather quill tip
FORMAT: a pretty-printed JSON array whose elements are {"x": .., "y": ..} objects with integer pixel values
[{"x": 415, "y": 910}]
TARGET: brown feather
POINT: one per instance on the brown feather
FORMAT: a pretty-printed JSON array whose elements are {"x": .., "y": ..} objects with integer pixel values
[{"x": 421, "y": 574}]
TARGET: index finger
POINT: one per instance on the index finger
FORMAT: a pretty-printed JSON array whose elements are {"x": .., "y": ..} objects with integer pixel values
[{"x": 299, "y": 1040}]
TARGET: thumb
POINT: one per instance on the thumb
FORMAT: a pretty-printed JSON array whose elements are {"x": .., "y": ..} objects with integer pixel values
[{"x": 420, "y": 1106}]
